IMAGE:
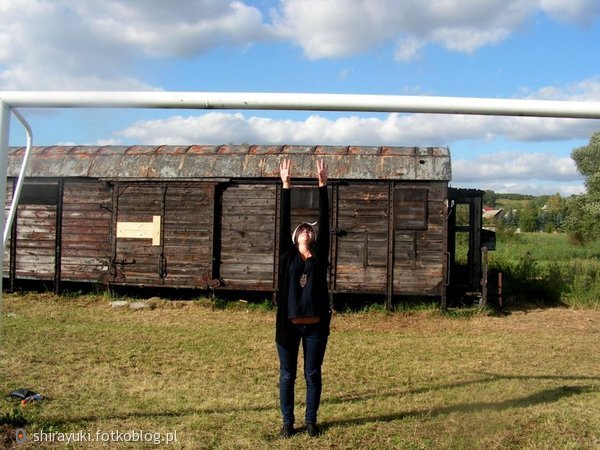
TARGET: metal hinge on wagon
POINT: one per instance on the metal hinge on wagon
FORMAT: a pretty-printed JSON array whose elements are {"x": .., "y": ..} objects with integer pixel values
[{"x": 207, "y": 282}]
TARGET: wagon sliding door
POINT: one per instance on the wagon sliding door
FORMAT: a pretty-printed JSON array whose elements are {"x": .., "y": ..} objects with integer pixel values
[
  {"x": 163, "y": 234},
  {"x": 188, "y": 235},
  {"x": 247, "y": 237},
  {"x": 85, "y": 232},
  {"x": 138, "y": 249},
  {"x": 35, "y": 245},
  {"x": 361, "y": 254},
  {"x": 419, "y": 227}
]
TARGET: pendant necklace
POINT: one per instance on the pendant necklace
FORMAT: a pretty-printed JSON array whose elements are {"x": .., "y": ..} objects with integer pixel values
[{"x": 303, "y": 278}]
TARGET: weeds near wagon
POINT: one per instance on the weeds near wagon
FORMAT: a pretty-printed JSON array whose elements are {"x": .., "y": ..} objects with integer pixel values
[{"x": 468, "y": 313}]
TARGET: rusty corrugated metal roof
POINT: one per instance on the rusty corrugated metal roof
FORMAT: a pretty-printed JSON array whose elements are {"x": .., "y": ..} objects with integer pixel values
[{"x": 233, "y": 161}]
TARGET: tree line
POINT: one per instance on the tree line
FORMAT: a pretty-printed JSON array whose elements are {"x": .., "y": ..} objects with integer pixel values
[{"x": 577, "y": 215}]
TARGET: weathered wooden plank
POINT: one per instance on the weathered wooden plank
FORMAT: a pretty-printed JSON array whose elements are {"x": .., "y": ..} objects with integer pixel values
[
  {"x": 184, "y": 267},
  {"x": 247, "y": 258},
  {"x": 241, "y": 283},
  {"x": 92, "y": 277},
  {"x": 76, "y": 215},
  {"x": 26, "y": 214},
  {"x": 247, "y": 192},
  {"x": 35, "y": 274},
  {"x": 187, "y": 237},
  {"x": 198, "y": 262},
  {"x": 83, "y": 255},
  {"x": 254, "y": 235},
  {"x": 32, "y": 245},
  {"x": 99, "y": 241},
  {"x": 187, "y": 222},
  {"x": 24, "y": 259},
  {"x": 245, "y": 268},
  {"x": 186, "y": 246},
  {"x": 89, "y": 260},
  {"x": 228, "y": 250}
]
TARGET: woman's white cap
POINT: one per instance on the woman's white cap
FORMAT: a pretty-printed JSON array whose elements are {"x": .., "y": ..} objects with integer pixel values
[{"x": 304, "y": 224}]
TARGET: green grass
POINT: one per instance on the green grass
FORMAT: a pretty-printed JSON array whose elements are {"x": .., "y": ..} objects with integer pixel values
[
  {"x": 544, "y": 268},
  {"x": 396, "y": 380},
  {"x": 544, "y": 247}
]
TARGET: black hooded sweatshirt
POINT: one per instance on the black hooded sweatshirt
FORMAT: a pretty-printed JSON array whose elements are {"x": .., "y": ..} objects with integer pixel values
[{"x": 288, "y": 251}]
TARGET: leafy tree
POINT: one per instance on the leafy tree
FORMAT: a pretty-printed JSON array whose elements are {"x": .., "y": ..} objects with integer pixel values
[
  {"x": 583, "y": 222},
  {"x": 490, "y": 197},
  {"x": 587, "y": 159},
  {"x": 529, "y": 217},
  {"x": 553, "y": 216}
]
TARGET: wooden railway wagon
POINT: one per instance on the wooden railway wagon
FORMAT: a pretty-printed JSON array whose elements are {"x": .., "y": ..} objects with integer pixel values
[{"x": 206, "y": 216}]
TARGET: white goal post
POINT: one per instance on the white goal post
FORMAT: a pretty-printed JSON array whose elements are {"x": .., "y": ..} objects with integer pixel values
[{"x": 9, "y": 100}]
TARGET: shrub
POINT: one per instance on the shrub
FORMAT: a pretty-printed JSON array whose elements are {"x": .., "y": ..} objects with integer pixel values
[{"x": 584, "y": 285}]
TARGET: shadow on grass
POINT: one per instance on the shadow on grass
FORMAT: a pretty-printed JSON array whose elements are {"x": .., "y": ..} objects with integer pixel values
[
  {"x": 62, "y": 423},
  {"x": 538, "y": 398},
  {"x": 368, "y": 395},
  {"x": 545, "y": 396}
]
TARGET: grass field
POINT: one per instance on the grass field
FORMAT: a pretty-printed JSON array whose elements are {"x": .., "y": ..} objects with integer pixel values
[
  {"x": 545, "y": 269},
  {"x": 419, "y": 380},
  {"x": 546, "y": 248}
]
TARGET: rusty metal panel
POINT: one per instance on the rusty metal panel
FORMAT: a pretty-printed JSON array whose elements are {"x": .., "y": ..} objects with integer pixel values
[
  {"x": 264, "y": 150},
  {"x": 233, "y": 150},
  {"x": 330, "y": 150},
  {"x": 202, "y": 150},
  {"x": 15, "y": 159},
  {"x": 236, "y": 161},
  {"x": 105, "y": 166},
  {"x": 165, "y": 166},
  {"x": 135, "y": 166}
]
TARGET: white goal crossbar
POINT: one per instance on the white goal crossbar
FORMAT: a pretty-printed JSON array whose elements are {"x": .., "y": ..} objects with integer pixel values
[{"x": 9, "y": 100}]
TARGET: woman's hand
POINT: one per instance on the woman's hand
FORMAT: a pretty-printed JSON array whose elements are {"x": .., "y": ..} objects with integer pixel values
[
  {"x": 286, "y": 173},
  {"x": 322, "y": 172}
]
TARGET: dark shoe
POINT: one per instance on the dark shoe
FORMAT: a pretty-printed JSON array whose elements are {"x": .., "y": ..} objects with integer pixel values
[
  {"x": 313, "y": 430},
  {"x": 287, "y": 430}
]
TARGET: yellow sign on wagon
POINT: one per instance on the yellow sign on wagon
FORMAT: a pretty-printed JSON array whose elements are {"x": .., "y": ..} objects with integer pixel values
[{"x": 140, "y": 230}]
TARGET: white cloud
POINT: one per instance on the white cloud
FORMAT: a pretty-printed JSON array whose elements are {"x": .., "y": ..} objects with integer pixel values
[
  {"x": 516, "y": 165},
  {"x": 519, "y": 171},
  {"x": 514, "y": 171},
  {"x": 577, "y": 11},
  {"x": 408, "y": 48},
  {"x": 524, "y": 187},
  {"x": 92, "y": 45},
  {"x": 340, "y": 28},
  {"x": 218, "y": 127},
  {"x": 46, "y": 45},
  {"x": 392, "y": 129},
  {"x": 183, "y": 28}
]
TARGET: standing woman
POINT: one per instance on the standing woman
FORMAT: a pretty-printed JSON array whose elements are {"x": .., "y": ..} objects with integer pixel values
[{"x": 303, "y": 313}]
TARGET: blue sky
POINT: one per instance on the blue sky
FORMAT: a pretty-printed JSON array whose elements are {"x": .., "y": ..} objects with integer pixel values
[{"x": 539, "y": 49}]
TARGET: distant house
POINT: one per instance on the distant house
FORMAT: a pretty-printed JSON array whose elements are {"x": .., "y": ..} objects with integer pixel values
[{"x": 489, "y": 213}]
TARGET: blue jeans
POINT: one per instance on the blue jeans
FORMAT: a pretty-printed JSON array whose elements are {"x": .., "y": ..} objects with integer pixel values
[{"x": 314, "y": 342}]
